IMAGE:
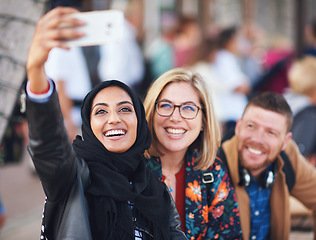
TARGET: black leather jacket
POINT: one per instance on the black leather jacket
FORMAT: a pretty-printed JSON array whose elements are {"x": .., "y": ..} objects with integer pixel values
[{"x": 64, "y": 176}]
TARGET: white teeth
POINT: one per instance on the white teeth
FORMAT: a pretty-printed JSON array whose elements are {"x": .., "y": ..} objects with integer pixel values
[
  {"x": 175, "y": 131},
  {"x": 254, "y": 151},
  {"x": 114, "y": 132}
]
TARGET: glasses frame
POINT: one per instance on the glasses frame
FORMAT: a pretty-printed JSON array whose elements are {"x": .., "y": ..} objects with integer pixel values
[{"x": 174, "y": 107}]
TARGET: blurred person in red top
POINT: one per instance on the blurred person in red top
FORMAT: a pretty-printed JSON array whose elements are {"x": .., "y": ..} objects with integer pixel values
[{"x": 188, "y": 37}]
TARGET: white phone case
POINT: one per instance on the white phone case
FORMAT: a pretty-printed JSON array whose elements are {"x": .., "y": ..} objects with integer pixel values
[{"x": 101, "y": 27}]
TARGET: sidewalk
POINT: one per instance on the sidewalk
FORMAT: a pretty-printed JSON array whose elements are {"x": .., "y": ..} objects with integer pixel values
[
  {"x": 23, "y": 198},
  {"x": 26, "y": 226}
]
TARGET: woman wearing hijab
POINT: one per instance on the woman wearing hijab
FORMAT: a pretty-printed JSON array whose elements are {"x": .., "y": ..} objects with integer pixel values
[{"x": 98, "y": 187}]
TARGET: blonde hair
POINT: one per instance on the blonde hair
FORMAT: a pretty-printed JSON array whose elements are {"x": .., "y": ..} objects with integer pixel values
[
  {"x": 302, "y": 76},
  {"x": 209, "y": 139}
]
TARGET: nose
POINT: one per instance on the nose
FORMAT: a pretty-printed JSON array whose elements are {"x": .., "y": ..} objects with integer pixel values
[
  {"x": 258, "y": 135},
  {"x": 114, "y": 118},
  {"x": 176, "y": 116}
]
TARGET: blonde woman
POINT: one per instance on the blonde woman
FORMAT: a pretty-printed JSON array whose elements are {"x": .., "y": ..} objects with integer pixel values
[
  {"x": 302, "y": 80},
  {"x": 185, "y": 137}
]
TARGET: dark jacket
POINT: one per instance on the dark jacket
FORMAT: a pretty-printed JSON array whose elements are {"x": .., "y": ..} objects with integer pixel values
[
  {"x": 304, "y": 130},
  {"x": 64, "y": 176}
]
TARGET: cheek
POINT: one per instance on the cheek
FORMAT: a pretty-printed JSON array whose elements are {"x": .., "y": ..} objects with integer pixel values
[
  {"x": 157, "y": 127},
  {"x": 94, "y": 126},
  {"x": 133, "y": 126},
  {"x": 134, "y": 136},
  {"x": 96, "y": 129},
  {"x": 196, "y": 125},
  {"x": 275, "y": 147},
  {"x": 97, "y": 125},
  {"x": 242, "y": 139},
  {"x": 157, "y": 122},
  {"x": 244, "y": 135}
]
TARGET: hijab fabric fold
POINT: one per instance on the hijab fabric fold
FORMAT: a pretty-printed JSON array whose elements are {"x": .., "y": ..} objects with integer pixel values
[{"x": 120, "y": 179}]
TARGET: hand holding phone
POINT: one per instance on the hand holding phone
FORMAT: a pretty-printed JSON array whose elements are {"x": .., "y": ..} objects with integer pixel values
[{"x": 101, "y": 27}]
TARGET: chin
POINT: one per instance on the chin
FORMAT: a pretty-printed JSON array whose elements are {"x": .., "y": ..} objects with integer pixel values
[
  {"x": 176, "y": 148},
  {"x": 117, "y": 150}
]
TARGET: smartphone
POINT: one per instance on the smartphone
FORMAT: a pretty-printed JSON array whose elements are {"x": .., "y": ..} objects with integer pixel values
[{"x": 101, "y": 27}]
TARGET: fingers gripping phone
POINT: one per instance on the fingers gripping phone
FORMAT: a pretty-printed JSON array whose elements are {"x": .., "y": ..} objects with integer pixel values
[{"x": 101, "y": 27}]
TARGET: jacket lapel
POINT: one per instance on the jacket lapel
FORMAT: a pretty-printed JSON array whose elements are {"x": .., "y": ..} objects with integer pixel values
[
  {"x": 230, "y": 146},
  {"x": 195, "y": 200}
]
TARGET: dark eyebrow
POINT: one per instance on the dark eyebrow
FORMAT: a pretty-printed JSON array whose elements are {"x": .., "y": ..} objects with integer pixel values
[
  {"x": 125, "y": 102},
  {"x": 100, "y": 104},
  {"x": 106, "y": 105}
]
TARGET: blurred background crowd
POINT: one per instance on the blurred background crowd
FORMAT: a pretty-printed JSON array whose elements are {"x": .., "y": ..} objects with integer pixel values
[{"x": 240, "y": 47}]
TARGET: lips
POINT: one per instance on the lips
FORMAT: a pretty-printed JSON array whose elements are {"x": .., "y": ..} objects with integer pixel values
[
  {"x": 175, "y": 131},
  {"x": 115, "y": 132}
]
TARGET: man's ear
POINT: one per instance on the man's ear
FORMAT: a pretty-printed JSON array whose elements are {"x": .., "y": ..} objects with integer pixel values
[
  {"x": 288, "y": 136},
  {"x": 238, "y": 123}
]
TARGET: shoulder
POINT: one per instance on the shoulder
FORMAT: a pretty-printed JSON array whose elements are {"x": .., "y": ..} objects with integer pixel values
[
  {"x": 297, "y": 160},
  {"x": 154, "y": 166},
  {"x": 219, "y": 168},
  {"x": 292, "y": 149}
]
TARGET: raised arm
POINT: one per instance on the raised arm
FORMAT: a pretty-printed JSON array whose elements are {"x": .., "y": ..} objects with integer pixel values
[
  {"x": 48, "y": 35},
  {"x": 49, "y": 145}
]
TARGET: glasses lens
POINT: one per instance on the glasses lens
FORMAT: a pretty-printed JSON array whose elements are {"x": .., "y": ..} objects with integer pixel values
[
  {"x": 189, "y": 111},
  {"x": 164, "y": 108}
]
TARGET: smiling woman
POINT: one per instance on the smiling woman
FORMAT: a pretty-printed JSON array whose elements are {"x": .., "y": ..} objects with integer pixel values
[
  {"x": 113, "y": 119},
  {"x": 99, "y": 186},
  {"x": 185, "y": 137}
]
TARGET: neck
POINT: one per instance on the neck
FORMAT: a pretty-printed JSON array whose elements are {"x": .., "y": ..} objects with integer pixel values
[
  {"x": 172, "y": 162},
  {"x": 256, "y": 174}
]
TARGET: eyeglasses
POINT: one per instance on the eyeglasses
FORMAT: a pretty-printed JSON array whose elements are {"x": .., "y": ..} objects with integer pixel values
[{"x": 187, "y": 111}]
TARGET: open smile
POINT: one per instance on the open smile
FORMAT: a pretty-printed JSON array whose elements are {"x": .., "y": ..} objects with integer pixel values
[
  {"x": 175, "y": 131},
  {"x": 115, "y": 133},
  {"x": 255, "y": 151}
]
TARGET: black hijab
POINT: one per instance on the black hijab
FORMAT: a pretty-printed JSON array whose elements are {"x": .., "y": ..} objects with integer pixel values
[{"x": 111, "y": 176}]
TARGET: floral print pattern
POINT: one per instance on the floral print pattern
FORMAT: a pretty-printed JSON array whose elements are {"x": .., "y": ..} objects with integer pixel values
[
  {"x": 193, "y": 191},
  {"x": 209, "y": 215}
]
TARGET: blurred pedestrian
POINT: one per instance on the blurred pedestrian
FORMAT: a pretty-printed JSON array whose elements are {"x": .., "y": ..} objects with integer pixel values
[
  {"x": 231, "y": 76},
  {"x": 201, "y": 62},
  {"x": 69, "y": 70},
  {"x": 160, "y": 52},
  {"x": 187, "y": 37},
  {"x": 124, "y": 59},
  {"x": 277, "y": 60},
  {"x": 310, "y": 38},
  {"x": 302, "y": 80}
]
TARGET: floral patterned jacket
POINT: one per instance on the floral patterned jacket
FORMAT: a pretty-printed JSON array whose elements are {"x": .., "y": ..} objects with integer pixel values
[{"x": 211, "y": 212}]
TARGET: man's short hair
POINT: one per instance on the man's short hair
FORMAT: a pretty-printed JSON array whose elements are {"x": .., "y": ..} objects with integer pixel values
[{"x": 273, "y": 102}]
